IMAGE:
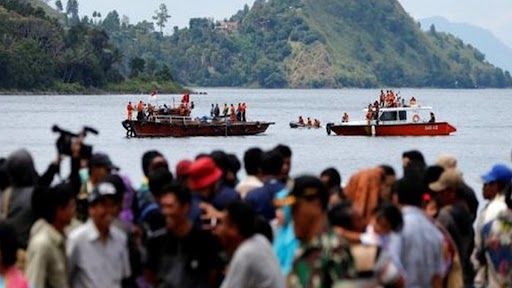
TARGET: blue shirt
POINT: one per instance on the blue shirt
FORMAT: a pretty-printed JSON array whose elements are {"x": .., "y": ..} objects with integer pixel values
[
  {"x": 420, "y": 250},
  {"x": 262, "y": 199}
]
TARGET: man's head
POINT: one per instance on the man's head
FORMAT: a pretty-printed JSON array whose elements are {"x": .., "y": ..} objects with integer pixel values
[
  {"x": 413, "y": 157},
  {"x": 229, "y": 165},
  {"x": 286, "y": 152},
  {"x": 175, "y": 206},
  {"x": 496, "y": 180},
  {"x": 204, "y": 177},
  {"x": 56, "y": 205},
  {"x": 157, "y": 180},
  {"x": 103, "y": 206},
  {"x": 237, "y": 224},
  {"x": 447, "y": 186},
  {"x": 253, "y": 161},
  {"x": 332, "y": 181},
  {"x": 310, "y": 200},
  {"x": 271, "y": 164},
  {"x": 100, "y": 166},
  {"x": 152, "y": 160},
  {"x": 388, "y": 178},
  {"x": 409, "y": 191}
]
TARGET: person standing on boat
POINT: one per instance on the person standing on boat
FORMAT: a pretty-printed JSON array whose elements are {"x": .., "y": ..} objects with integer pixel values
[
  {"x": 216, "y": 111},
  {"x": 382, "y": 98},
  {"x": 239, "y": 112},
  {"x": 129, "y": 110},
  {"x": 140, "y": 111},
  {"x": 225, "y": 111},
  {"x": 432, "y": 118},
  {"x": 309, "y": 122},
  {"x": 212, "y": 111},
  {"x": 232, "y": 113},
  {"x": 244, "y": 108}
]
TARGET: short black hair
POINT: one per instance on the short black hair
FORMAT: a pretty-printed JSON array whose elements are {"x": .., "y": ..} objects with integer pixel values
[
  {"x": 243, "y": 217},
  {"x": 234, "y": 163},
  {"x": 409, "y": 191},
  {"x": 147, "y": 157},
  {"x": 253, "y": 161},
  {"x": 221, "y": 159},
  {"x": 341, "y": 215},
  {"x": 285, "y": 151},
  {"x": 158, "y": 179},
  {"x": 433, "y": 173},
  {"x": 8, "y": 245},
  {"x": 334, "y": 177},
  {"x": 303, "y": 185},
  {"x": 388, "y": 170},
  {"x": 392, "y": 214},
  {"x": 181, "y": 192},
  {"x": 46, "y": 201},
  {"x": 272, "y": 163},
  {"x": 414, "y": 156}
]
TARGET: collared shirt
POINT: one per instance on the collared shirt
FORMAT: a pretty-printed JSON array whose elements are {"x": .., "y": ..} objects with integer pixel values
[
  {"x": 321, "y": 263},
  {"x": 94, "y": 263},
  {"x": 46, "y": 257},
  {"x": 248, "y": 184},
  {"x": 254, "y": 265},
  {"x": 421, "y": 249}
]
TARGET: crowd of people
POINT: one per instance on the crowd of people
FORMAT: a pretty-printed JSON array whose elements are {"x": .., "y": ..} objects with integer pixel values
[
  {"x": 196, "y": 224},
  {"x": 148, "y": 111},
  {"x": 230, "y": 112}
]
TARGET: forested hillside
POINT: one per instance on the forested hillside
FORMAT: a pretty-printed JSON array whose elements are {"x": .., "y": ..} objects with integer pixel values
[
  {"x": 313, "y": 43},
  {"x": 61, "y": 53}
]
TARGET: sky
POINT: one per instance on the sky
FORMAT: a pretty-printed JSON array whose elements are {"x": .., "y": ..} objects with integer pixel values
[{"x": 494, "y": 15}]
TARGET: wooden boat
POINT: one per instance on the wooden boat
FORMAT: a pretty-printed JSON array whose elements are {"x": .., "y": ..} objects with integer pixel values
[
  {"x": 186, "y": 127},
  {"x": 396, "y": 121}
]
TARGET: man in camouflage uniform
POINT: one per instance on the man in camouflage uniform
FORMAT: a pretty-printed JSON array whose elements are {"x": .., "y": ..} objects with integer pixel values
[{"x": 323, "y": 258}]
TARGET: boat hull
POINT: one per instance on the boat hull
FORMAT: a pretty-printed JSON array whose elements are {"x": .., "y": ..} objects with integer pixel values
[
  {"x": 408, "y": 129},
  {"x": 193, "y": 129}
]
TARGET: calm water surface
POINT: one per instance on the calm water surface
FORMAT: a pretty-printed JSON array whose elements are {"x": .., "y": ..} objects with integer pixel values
[{"x": 482, "y": 118}]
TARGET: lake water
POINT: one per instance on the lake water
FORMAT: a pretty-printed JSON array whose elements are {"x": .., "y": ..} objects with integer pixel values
[{"x": 482, "y": 118}]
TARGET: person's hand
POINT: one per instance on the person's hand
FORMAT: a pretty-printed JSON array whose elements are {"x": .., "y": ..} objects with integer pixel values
[{"x": 209, "y": 215}]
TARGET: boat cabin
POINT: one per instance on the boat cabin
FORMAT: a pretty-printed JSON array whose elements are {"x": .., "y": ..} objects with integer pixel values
[{"x": 404, "y": 115}]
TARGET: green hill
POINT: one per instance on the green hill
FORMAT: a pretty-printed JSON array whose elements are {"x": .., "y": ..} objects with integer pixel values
[
  {"x": 315, "y": 43},
  {"x": 44, "y": 53}
]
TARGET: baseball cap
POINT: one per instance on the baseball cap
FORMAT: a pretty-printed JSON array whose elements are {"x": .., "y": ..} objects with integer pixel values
[
  {"x": 450, "y": 178},
  {"x": 202, "y": 173},
  {"x": 102, "y": 190},
  {"x": 183, "y": 168},
  {"x": 498, "y": 172},
  {"x": 447, "y": 161},
  {"x": 101, "y": 159}
]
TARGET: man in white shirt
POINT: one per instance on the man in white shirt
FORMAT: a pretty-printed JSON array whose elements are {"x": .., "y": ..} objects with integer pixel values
[
  {"x": 97, "y": 251},
  {"x": 252, "y": 165}
]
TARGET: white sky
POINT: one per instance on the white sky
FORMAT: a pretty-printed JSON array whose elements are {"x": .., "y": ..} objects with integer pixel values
[{"x": 495, "y": 15}]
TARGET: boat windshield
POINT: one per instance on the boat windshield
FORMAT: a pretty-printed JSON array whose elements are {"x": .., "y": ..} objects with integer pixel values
[{"x": 393, "y": 115}]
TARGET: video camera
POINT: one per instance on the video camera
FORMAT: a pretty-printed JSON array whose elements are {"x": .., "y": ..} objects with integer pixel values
[{"x": 64, "y": 141}]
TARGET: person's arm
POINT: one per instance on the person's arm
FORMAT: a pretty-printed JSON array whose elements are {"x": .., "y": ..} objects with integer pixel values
[{"x": 53, "y": 169}]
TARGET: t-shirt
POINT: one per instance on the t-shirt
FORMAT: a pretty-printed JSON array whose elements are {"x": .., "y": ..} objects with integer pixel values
[
  {"x": 261, "y": 199},
  {"x": 254, "y": 265},
  {"x": 184, "y": 262}
]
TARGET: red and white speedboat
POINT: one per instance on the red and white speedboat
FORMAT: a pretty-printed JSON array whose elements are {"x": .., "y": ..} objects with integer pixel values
[{"x": 395, "y": 121}]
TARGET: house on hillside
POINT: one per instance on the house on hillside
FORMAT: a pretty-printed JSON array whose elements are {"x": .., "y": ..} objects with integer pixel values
[{"x": 227, "y": 26}]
